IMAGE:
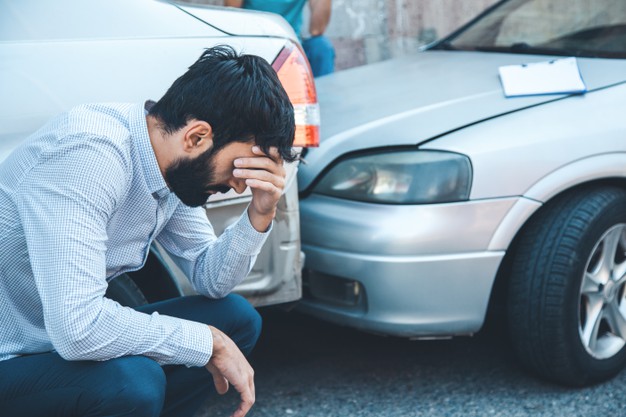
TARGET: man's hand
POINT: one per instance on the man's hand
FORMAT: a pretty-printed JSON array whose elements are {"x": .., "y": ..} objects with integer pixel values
[
  {"x": 233, "y": 3},
  {"x": 265, "y": 175},
  {"x": 228, "y": 365}
]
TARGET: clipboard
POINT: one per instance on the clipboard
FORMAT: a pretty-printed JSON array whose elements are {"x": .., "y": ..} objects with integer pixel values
[{"x": 558, "y": 76}]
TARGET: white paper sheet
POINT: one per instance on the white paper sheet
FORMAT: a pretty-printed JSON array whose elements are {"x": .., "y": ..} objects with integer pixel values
[{"x": 559, "y": 76}]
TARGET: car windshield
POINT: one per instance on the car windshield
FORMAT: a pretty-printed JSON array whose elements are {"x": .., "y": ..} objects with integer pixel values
[{"x": 583, "y": 28}]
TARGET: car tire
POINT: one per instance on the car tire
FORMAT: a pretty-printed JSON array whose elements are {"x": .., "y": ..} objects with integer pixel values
[
  {"x": 124, "y": 290},
  {"x": 565, "y": 323}
]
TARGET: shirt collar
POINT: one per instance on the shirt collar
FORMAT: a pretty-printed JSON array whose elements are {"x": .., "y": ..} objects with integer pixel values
[{"x": 141, "y": 140}]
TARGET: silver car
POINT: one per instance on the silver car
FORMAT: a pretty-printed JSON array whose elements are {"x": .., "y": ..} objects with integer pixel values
[
  {"x": 433, "y": 196},
  {"x": 57, "y": 54}
]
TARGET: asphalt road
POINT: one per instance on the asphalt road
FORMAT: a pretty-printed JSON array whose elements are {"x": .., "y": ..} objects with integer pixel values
[{"x": 305, "y": 367}]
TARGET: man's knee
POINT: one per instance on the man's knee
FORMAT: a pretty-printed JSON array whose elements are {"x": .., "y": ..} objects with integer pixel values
[
  {"x": 136, "y": 386},
  {"x": 247, "y": 323}
]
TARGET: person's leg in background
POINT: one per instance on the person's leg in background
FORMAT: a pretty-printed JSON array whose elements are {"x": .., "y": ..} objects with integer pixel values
[
  {"x": 47, "y": 385},
  {"x": 321, "y": 55},
  {"x": 188, "y": 388}
]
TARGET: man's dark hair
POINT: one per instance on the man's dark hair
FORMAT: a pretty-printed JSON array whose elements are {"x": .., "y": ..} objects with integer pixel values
[{"x": 240, "y": 96}]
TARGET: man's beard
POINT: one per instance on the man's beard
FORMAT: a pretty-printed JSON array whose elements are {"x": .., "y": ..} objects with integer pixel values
[{"x": 191, "y": 179}]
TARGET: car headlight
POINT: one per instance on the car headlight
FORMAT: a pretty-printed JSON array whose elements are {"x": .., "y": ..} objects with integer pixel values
[{"x": 400, "y": 177}]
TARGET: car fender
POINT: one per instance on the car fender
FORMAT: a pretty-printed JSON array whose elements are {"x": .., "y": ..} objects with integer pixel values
[{"x": 594, "y": 168}]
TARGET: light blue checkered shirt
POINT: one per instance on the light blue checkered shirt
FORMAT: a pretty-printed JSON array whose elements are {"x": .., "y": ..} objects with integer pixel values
[{"x": 80, "y": 202}]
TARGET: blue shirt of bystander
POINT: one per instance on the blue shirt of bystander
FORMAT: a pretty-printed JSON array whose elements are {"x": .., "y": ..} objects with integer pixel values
[{"x": 291, "y": 10}]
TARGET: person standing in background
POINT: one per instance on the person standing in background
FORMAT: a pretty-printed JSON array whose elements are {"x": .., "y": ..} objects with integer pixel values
[
  {"x": 318, "y": 48},
  {"x": 82, "y": 200}
]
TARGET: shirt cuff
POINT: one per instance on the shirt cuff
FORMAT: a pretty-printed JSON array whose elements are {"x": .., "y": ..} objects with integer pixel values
[{"x": 196, "y": 346}]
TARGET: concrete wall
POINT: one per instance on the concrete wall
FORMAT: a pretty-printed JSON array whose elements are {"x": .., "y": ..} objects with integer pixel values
[{"x": 367, "y": 31}]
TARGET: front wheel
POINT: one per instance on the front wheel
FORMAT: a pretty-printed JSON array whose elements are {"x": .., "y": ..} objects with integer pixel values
[{"x": 567, "y": 301}]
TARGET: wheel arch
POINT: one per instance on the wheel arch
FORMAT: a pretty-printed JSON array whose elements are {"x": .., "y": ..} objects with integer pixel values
[
  {"x": 607, "y": 169},
  {"x": 597, "y": 171}
]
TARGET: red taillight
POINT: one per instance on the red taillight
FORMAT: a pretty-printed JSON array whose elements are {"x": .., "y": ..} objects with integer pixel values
[{"x": 295, "y": 74}]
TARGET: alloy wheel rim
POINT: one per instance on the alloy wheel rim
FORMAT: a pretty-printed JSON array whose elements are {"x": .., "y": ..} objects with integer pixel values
[{"x": 602, "y": 306}]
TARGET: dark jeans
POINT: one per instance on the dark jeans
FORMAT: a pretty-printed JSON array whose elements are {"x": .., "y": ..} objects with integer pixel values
[
  {"x": 321, "y": 55},
  {"x": 47, "y": 385}
]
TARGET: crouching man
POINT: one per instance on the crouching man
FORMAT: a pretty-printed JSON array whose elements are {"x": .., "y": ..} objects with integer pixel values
[{"x": 81, "y": 201}]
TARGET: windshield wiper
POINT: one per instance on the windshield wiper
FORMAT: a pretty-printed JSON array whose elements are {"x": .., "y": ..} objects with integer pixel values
[
  {"x": 524, "y": 48},
  {"x": 445, "y": 46}
]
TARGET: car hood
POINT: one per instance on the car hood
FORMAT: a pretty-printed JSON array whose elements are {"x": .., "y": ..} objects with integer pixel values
[{"x": 411, "y": 100}]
